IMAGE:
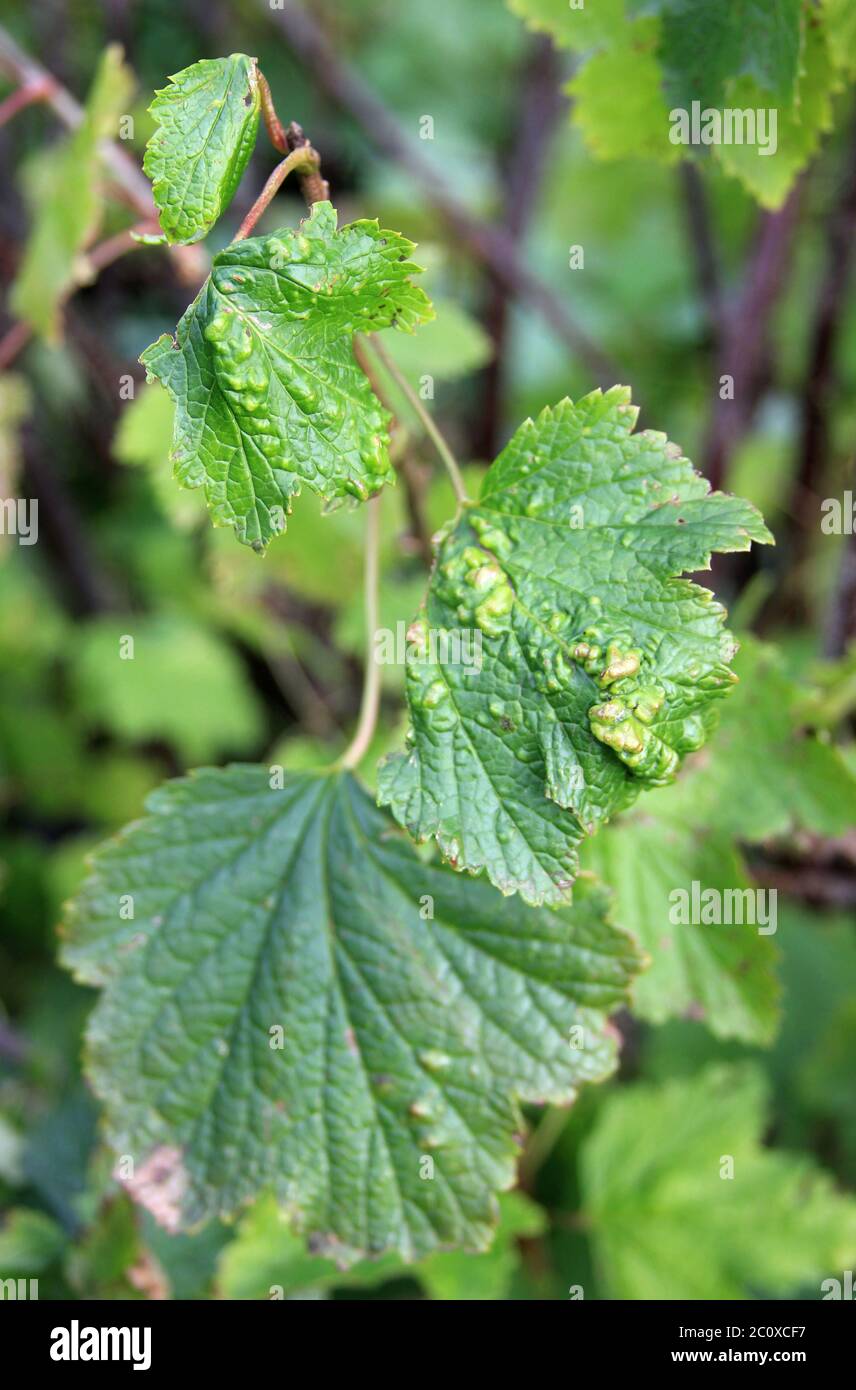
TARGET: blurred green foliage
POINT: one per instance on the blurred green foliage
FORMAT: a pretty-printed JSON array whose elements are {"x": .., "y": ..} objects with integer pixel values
[{"x": 739, "y": 1044}]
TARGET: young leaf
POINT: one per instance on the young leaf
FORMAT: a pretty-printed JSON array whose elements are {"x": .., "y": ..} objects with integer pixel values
[
  {"x": 262, "y": 370},
  {"x": 670, "y": 1221},
  {"x": 299, "y": 1003},
  {"x": 206, "y": 130},
  {"x": 66, "y": 196},
  {"x": 598, "y": 666}
]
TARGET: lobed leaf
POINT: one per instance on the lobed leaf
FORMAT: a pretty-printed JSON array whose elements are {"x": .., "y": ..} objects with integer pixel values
[
  {"x": 268, "y": 393},
  {"x": 387, "y": 1118},
  {"x": 597, "y": 668}
]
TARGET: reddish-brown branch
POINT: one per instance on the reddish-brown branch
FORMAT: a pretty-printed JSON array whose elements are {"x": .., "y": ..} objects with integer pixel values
[
  {"x": 304, "y": 161},
  {"x": 744, "y": 352},
  {"x": 541, "y": 106},
  {"x": 273, "y": 125},
  {"x": 25, "y": 96},
  {"x": 13, "y": 342}
]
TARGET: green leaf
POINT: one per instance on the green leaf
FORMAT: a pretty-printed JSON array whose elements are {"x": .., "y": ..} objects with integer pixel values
[
  {"x": 29, "y": 1243},
  {"x": 799, "y": 126},
  {"x": 453, "y": 345},
  {"x": 456, "y": 1276},
  {"x": 405, "y": 1037},
  {"x": 618, "y": 101},
  {"x": 705, "y": 43},
  {"x": 579, "y": 26},
  {"x": 597, "y": 668},
  {"x": 768, "y": 774},
  {"x": 181, "y": 684},
  {"x": 666, "y": 1224},
  {"x": 206, "y": 130},
  {"x": 143, "y": 440},
  {"x": 67, "y": 202},
  {"x": 268, "y": 392},
  {"x": 840, "y": 21},
  {"x": 721, "y": 974},
  {"x": 267, "y": 1260}
]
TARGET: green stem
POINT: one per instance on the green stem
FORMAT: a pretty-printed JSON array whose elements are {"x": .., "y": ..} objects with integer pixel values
[
  {"x": 542, "y": 1141},
  {"x": 425, "y": 419},
  {"x": 370, "y": 704}
]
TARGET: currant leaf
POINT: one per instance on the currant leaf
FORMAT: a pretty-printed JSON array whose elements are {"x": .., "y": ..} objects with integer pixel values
[
  {"x": 295, "y": 1001},
  {"x": 207, "y": 120},
  {"x": 268, "y": 392},
  {"x": 598, "y": 667}
]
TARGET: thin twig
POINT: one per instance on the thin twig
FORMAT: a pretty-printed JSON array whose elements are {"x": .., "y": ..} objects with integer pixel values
[
  {"x": 105, "y": 252},
  {"x": 399, "y": 454},
  {"x": 314, "y": 188},
  {"x": 491, "y": 245},
  {"x": 424, "y": 417},
  {"x": 13, "y": 342},
  {"x": 745, "y": 351},
  {"x": 370, "y": 703},
  {"x": 541, "y": 106},
  {"x": 702, "y": 247},
  {"x": 542, "y": 1141},
  {"x": 25, "y": 96},
  {"x": 303, "y": 159},
  {"x": 24, "y": 70}
]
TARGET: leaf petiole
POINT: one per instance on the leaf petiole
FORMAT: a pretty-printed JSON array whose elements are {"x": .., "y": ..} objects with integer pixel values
[
  {"x": 370, "y": 703},
  {"x": 425, "y": 418},
  {"x": 303, "y": 159}
]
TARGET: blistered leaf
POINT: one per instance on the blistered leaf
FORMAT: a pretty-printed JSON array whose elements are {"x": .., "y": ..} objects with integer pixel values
[
  {"x": 300, "y": 1004},
  {"x": 671, "y": 1219},
  {"x": 268, "y": 392},
  {"x": 66, "y": 197},
  {"x": 559, "y": 664},
  {"x": 207, "y": 121}
]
